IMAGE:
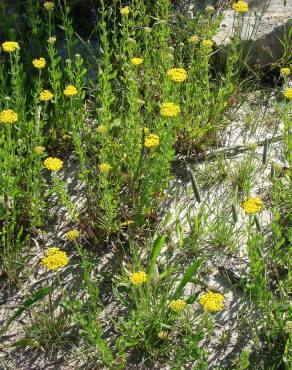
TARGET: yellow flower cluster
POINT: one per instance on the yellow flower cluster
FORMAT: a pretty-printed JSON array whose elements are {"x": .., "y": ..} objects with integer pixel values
[
  {"x": 10, "y": 46},
  {"x": 137, "y": 61},
  {"x": 8, "y": 116},
  {"x": 164, "y": 335},
  {"x": 39, "y": 150},
  {"x": 70, "y": 90},
  {"x": 46, "y": 95},
  {"x": 138, "y": 278},
  {"x": 212, "y": 301},
  {"x": 288, "y": 93},
  {"x": 72, "y": 234},
  {"x": 104, "y": 167},
  {"x": 240, "y": 6},
  {"x": 126, "y": 223},
  {"x": 252, "y": 205},
  {"x": 55, "y": 259},
  {"x": 286, "y": 71},
  {"x": 177, "y": 305},
  {"x": 39, "y": 63},
  {"x": 51, "y": 40},
  {"x": 53, "y": 164},
  {"x": 49, "y": 5},
  {"x": 210, "y": 9},
  {"x": 169, "y": 110},
  {"x": 125, "y": 11},
  {"x": 207, "y": 44},
  {"x": 151, "y": 141},
  {"x": 177, "y": 74},
  {"x": 194, "y": 39},
  {"x": 101, "y": 129}
]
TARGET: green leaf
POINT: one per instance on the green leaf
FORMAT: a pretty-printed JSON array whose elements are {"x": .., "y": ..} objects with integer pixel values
[
  {"x": 187, "y": 277},
  {"x": 192, "y": 298},
  {"x": 36, "y": 297},
  {"x": 159, "y": 242}
]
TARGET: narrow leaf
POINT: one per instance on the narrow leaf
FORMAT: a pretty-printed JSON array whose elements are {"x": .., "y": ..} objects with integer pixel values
[
  {"x": 158, "y": 244},
  {"x": 188, "y": 276},
  {"x": 37, "y": 296}
]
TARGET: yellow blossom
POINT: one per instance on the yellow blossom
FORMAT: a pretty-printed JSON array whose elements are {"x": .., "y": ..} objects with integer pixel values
[
  {"x": 72, "y": 234},
  {"x": 288, "y": 93},
  {"x": 51, "y": 40},
  {"x": 286, "y": 71},
  {"x": 252, "y": 205},
  {"x": 125, "y": 11},
  {"x": 240, "y": 7},
  {"x": 194, "y": 39},
  {"x": 177, "y": 74},
  {"x": 55, "y": 259},
  {"x": 126, "y": 223},
  {"x": 39, "y": 150},
  {"x": 49, "y": 5},
  {"x": 164, "y": 335},
  {"x": 138, "y": 278},
  {"x": 137, "y": 61},
  {"x": 207, "y": 44},
  {"x": 46, "y": 95},
  {"x": 212, "y": 301},
  {"x": 104, "y": 167},
  {"x": 8, "y": 116},
  {"x": 177, "y": 305},
  {"x": 169, "y": 110},
  {"x": 210, "y": 9},
  {"x": 151, "y": 141},
  {"x": 70, "y": 90},
  {"x": 39, "y": 63},
  {"x": 101, "y": 129},
  {"x": 53, "y": 164},
  {"x": 10, "y": 46}
]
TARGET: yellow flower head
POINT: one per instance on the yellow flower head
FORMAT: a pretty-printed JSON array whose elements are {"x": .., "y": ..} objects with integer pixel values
[
  {"x": 288, "y": 93},
  {"x": 101, "y": 129},
  {"x": 169, "y": 110},
  {"x": 288, "y": 327},
  {"x": 137, "y": 61},
  {"x": 70, "y": 90},
  {"x": 125, "y": 11},
  {"x": 51, "y": 40},
  {"x": 240, "y": 7},
  {"x": 46, "y": 95},
  {"x": 104, "y": 167},
  {"x": 212, "y": 301},
  {"x": 194, "y": 39},
  {"x": 8, "y": 116},
  {"x": 49, "y": 5},
  {"x": 151, "y": 141},
  {"x": 39, "y": 150},
  {"x": 286, "y": 71},
  {"x": 53, "y": 164},
  {"x": 164, "y": 335},
  {"x": 39, "y": 63},
  {"x": 10, "y": 46},
  {"x": 55, "y": 259},
  {"x": 177, "y": 305},
  {"x": 177, "y": 74},
  {"x": 138, "y": 278},
  {"x": 252, "y": 205},
  {"x": 126, "y": 223},
  {"x": 72, "y": 234},
  {"x": 210, "y": 9},
  {"x": 207, "y": 44}
]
